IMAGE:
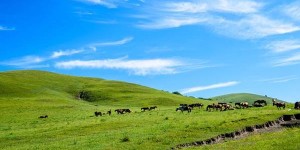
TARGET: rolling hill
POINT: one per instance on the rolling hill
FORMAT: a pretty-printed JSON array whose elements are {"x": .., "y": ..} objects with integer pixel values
[
  {"x": 41, "y": 84},
  {"x": 70, "y": 103},
  {"x": 242, "y": 97}
]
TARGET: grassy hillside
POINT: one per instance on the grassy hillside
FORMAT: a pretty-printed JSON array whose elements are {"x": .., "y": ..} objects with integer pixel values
[
  {"x": 39, "y": 84},
  {"x": 26, "y": 95},
  {"x": 242, "y": 97}
]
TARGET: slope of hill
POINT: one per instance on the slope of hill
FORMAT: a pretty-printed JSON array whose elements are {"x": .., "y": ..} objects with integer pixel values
[
  {"x": 26, "y": 95},
  {"x": 41, "y": 84},
  {"x": 242, "y": 97}
]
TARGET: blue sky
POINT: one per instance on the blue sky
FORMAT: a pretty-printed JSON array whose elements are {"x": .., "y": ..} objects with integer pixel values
[{"x": 200, "y": 48}]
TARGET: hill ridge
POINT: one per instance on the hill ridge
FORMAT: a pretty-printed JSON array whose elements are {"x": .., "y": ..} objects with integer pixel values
[
  {"x": 243, "y": 97},
  {"x": 43, "y": 84}
]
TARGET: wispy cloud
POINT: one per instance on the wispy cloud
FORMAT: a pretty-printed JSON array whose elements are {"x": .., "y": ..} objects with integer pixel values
[
  {"x": 106, "y": 3},
  {"x": 280, "y": 79},
  {"x": 61, "y": 53},
  {"x": 292, "y": 60},
  {"x": 208, "y": 87},
  {"x": 245, "y": 19},
  {"x": 292, "y": 10},
  {"x": 233, "y": 6},
  {"x": 114, "y": 43},
  {"x": 171, "y": 22},
  {"x": 254, "y": 26},
  {"x": 228, "y": 6},
  {"x": 2, "y": 28},
  {"x": 25, "y": 62},
  {"x": 137, "y": 67},
  {"x": 283, "y": 46},
  {"x": 84, "y": 13},
  {"x": 35, "y": 61},
  {"x": 111, "y": 43}
]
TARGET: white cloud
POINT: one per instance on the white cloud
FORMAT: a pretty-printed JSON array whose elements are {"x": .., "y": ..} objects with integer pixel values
[
  {"x": 25, "y": 62},
  {"x": 111, "y": 43},
  {"x": 280, "y": 79},
  {"x": 234, "y": 6},
  {"x": 106, "y": 3},
  {"x": 200, "y": 6},
  {"x": 254, "y": 26},
  {"x": 292, "y": 10},
  {"x": 247, "y": 19},
  {"x": 187, "y": 7},
  {"x": 137, "y": 67},
  {"x": 283, "y": 46},
  {"x": 2, "y": 28},
  {"x": 171, "y": 22},
  {"x": 292, "y": 60},
  {"x": 176, "y": 14},
  {"x": 61, "y": 53},
  {"x": 208, "y": 87}
]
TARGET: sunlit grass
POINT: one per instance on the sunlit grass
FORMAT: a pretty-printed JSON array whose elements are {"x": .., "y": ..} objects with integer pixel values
[
  {"x": 70, "y": 126},
  {"x": 26, "y": 95}
]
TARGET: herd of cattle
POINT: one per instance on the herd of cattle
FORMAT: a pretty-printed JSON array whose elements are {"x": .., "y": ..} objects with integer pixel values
[
  {"x": 189, "y": 107},
  {"x": 225, "y": 106}
]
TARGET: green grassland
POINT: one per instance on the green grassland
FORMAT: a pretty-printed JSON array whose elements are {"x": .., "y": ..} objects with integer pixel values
[
  {"x": 287, "y": 139},
  {"x": 39, "y": 84},
  {"x": 25, "y": 95},
  {"x": 242, "y": 97}
]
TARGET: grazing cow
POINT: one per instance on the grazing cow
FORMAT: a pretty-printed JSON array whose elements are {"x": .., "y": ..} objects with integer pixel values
[
  {"x": 209, "y": 107},
  {"x": 98, "y": 113},
  {"x": 199, "y": 105},
  {"x": 214, "y": 106},
  {"x": 119, "y": 111},
  {"x": 297, "y": 105},
  {"x": 218, "y": 107},
  {"x": 237, "y": 104},
  {"x": 184, "y": 108},
  {"x": 46, "y": 116},
  {"x": 278, "y": 104},
  {"x": 228, "y": 107},
  {"x": 152, "y": 107},
  {"x": 127, "y": 110},
  {"x": 244, "y": 105},
  {"x": 260, "y": 102},
  {"x": 145, "y": 108},
  {"x": 109, "y": 112},
  {"x": 122, "y": 111}
]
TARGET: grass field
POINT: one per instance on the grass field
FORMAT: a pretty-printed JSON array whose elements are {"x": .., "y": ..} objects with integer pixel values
[
  {"x": 287, "y": 138},
  {"x": 70, "y": 126},
  {"x": 243, "y": 97}
]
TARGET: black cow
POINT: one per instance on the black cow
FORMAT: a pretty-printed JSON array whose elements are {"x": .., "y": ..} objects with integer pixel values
[
  {"x": 259, "y": 102},
  {"x": 152, "y": 107},
  {"x": 199, "y": 105},
  {"x": 46, "y": 116},
  {"x": 297, "y": 105},
  {"x": 109, "y": 112},
  {"x": 98, "y": 113},
  {"x": 122, "y": 111},
  {"x": 145, "y": 108},
  {"x": 184, "y": 108}
]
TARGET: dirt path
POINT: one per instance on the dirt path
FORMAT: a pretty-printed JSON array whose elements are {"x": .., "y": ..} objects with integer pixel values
[{"x": 270, "y": 126}]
